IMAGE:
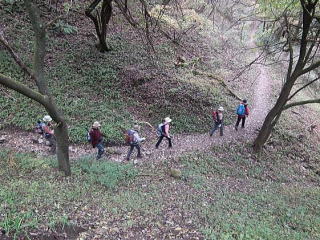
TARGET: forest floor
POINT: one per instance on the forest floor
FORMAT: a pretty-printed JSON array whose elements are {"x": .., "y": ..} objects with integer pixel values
[
  {"x": 24, "y": 141},
  {"x": 221, "y": 187}
]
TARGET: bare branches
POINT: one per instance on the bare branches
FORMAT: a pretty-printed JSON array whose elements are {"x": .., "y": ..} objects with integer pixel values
[
  {"x": 303, "y": 87},
  {"x": 301, "y": 103},
  {"x": 310, "y": 68},
  {"x": 15, "y": 56}
]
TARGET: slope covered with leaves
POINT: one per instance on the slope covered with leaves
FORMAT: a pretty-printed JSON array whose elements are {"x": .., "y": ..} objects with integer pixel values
[{"x": 130, "y": 83}]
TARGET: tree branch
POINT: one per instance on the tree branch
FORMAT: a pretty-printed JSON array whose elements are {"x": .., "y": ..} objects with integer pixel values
[
  {"x": 23, "y": 89},
  {"x": 303, "y": 87},
  {"x": 15, "y": 56},
  {"x": 308, "y": 69},
  {"x": 301, "y": 103}
]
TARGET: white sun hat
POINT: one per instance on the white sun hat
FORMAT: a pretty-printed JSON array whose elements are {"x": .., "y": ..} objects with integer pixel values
[
  {"x": 220, "y": 109},
  {"x": 47, "y": 118},
  {"x": 136, "y": 127},
  {"x": 167, "y": 119},
  {"x": 96, "y": 124}
]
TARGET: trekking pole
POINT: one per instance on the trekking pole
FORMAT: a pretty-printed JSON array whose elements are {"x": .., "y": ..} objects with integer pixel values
[{"x": 152, "y": 127}]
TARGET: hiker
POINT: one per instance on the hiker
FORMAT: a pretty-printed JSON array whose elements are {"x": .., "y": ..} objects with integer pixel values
[
  {"x": 163, "y": 131},
  {"x": 218, "y": 121},
  {"x": 39, "y": 127},
  {"x": 48, "y": 132},
  {"x": 134, "y": 140},
  {"x": 243, "y": 113},
  {"x": 96, "y": 138}
]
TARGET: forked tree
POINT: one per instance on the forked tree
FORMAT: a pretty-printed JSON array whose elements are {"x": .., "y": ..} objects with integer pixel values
[
  {"x": 100, "y": 20},
  {"x": 307, "y": 60},
  {"x": 100, "y": 13},
  {"x": 37, "y": 74}
]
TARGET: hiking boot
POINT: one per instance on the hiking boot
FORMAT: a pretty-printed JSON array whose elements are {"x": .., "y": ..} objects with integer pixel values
[
  {"x": 127, "y": 159},
  {"x": 139, "y": 156}
]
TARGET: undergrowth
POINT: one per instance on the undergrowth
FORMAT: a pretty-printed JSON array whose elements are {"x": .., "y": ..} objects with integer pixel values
[
  {"x": 87, "y": 85},
  {"x": 35, "y": 196},
  {"x": 225, "y": 193}
]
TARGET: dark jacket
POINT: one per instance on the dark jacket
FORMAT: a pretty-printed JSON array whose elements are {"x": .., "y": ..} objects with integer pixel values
[
  {"x": 216, "y": 118},
  {"x": 96, "y": 136}
]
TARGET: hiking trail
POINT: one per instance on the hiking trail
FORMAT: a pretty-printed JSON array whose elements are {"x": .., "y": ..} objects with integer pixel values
[{"x": 24, "y": 141}]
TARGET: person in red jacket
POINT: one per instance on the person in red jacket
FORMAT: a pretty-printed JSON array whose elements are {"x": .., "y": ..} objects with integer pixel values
[
  {"x": 96, "y": 138},
  {"x": 242, "y": 113}
]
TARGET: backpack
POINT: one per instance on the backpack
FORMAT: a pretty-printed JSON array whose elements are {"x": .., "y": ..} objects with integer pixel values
[
  {"x": 88, "y": 136},
  {"x": 215, "y": 116},
  {"x": 128, "y": 137},
  {"x": 241, "y": 110},
  {"x": 160, "y": 129},
  {"x": 39, "y": 128},
  {"x": 247, "y": 110}
]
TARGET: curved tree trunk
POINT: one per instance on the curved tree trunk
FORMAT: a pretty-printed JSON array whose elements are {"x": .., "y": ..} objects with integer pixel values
[
  {"x": 101, "y": 21},
  {"x": 273, "y": 117},
  {"x": 294, "y": 71},
  {"x": 61, "y": 134}
]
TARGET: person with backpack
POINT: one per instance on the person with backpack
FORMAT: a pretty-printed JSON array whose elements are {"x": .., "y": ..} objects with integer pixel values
[
  {"x": 133, "y": 139},
  {"x": 39, "y": 127},
  {"x": 48, "y": 132},
  {"x": 163, "y": 132},
  {"x": 242, "y": 113},
  {"x": 96, "y": 138},
  {"x": 217, "y": 121}
]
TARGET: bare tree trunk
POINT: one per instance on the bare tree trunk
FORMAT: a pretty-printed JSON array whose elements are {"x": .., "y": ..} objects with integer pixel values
[
  {"x": 272, "y": 117},
  {"x": 61, "y": 133},
  {"x": 101, "y": 21},
  {"x": 292, "y": 75}
]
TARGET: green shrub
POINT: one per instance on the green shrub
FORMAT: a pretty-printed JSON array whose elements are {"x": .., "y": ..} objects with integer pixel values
[
  {"x": 108, "y": 174},
  {"x": 65, "y": 28}
]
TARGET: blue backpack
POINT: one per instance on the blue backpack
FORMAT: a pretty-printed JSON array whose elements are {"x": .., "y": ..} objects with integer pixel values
[
  {"x": 160, "y": 129},
  {"x": 241, "y": 110}
]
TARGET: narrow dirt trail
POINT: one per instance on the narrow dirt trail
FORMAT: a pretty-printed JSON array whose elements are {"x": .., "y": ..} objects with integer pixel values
[{"x": 182, "y": 143}]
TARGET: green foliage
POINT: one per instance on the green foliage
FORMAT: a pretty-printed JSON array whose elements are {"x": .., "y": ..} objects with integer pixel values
[
  {"x": 108, "y": 174},
  {"x": 65, "y": 28},
  {"x": 12, "y": 6},
  {"x": 245, "y": 203},
  {"x": 276, "y": 7},
  {"x": 269, "y": 213},
  {"x": 98, "y": 100}
]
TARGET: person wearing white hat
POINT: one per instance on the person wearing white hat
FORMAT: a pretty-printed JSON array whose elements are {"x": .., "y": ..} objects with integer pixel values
[
  {"x": 218, "y": 121},
  {"x": 96, "y": 138},
  {"x": 48, "y": 133},
  {"x": 163, "y": 131}
]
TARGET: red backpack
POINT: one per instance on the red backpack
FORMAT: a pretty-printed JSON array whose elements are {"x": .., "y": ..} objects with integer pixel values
[{"x": 128, "y": 136}]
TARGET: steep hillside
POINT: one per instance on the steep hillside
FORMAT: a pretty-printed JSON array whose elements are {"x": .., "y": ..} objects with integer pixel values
[
  {"x": 128, "y": 84},
  {"x": 202, "y": 188}
]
